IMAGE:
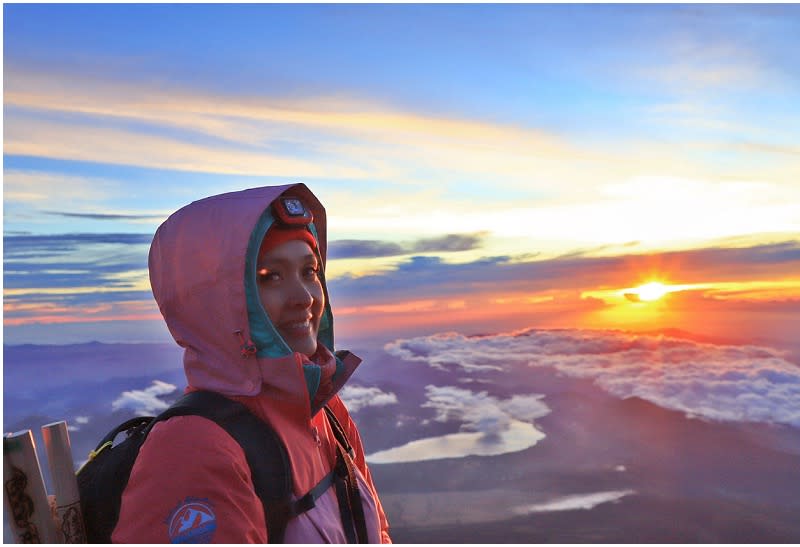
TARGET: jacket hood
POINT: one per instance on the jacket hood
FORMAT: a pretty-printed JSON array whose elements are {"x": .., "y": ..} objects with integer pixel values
[{"x": 203, "y": 276}]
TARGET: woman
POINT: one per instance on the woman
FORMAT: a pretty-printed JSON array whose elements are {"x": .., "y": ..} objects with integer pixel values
[{"x": 239, "y": 279}]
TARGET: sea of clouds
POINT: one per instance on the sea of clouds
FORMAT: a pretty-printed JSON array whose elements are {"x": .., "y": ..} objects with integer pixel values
[{"x": 742, "y": 383}]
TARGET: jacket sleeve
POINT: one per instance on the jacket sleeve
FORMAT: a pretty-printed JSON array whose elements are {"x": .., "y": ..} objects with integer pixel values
[
  {"x": 190, "y": 483},
  {"x": 351, "y": 430}
]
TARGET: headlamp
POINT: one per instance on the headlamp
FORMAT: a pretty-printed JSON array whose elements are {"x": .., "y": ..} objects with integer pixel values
[{"x": 292, "y": 212}]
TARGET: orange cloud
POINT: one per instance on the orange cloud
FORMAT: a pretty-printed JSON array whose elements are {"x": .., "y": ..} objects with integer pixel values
[{"x": 19, "y": 313}]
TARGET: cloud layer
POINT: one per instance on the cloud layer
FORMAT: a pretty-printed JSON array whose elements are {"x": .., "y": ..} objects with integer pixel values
[
  {"x": 421, "y": 276},
  {"x": 718, "y": 382}
]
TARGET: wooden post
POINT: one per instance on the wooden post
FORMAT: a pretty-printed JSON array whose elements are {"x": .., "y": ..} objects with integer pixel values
[
  {"x": 24, "y": 495},
  {"x": 65, "y": 485}
]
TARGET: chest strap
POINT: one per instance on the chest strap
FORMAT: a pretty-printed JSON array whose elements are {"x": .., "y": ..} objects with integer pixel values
[{"x": 309, "y": 501}]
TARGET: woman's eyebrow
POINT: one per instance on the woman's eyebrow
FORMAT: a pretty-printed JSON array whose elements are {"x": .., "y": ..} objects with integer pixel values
[{"x": 285, "y": 260}]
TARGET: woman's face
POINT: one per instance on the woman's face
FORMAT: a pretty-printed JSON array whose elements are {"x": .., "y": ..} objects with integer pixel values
[{"x": 291, "y": 292}]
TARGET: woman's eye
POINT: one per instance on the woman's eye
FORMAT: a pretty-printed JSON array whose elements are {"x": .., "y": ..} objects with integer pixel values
[
  {"x": 266, "y": 275},
  {"x": 311, "y": 272}
]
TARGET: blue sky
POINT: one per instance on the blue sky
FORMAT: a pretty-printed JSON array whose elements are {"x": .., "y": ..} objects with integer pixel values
[{"x": 445, "y": 140}]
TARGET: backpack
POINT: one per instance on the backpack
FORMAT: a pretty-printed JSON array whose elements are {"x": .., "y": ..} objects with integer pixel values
[{"x": 104, "y": 477}]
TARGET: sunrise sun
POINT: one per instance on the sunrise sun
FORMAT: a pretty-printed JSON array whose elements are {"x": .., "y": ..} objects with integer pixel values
[{"x": 651, "y": 291}]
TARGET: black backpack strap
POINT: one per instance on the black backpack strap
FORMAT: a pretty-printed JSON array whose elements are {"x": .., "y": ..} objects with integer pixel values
[
  {"x": 130, "y": 427},
  {"x": 347, "y": 489},
  {"x": 133, "y": 423},
  {"x": 265, "y": 453}
]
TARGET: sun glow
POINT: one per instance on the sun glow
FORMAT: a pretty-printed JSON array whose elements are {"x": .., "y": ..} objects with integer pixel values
[{"x": 651, "y": 291}]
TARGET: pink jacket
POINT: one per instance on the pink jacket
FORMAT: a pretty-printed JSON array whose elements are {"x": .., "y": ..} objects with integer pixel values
[{"x": 191, "y": 481}]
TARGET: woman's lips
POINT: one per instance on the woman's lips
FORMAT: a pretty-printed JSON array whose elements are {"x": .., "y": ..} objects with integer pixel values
[{"x": 296, "y": 328}]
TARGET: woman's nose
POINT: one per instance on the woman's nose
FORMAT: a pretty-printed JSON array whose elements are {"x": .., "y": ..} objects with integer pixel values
[{"x": 300, "y": 295}]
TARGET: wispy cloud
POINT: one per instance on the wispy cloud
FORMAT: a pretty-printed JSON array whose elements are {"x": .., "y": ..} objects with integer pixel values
[
  {"x": 358, "y": 248},
  {"x": 354, "y": 248},
  {"x": 42, "y": 188},
  {"x": 718, "y": 382},
  {"x": 144, "y": 402},
  {"x": 327, "y": 136},
  {"x": 29, "y": 245},
  {"x": 79, "y": 420},
  {"x": 358, "y": 397},
  {"x": 700, "y": 66},
  {"x": 103, "y": 216},
  {"x": 119, "y": 146},
  {"x": 233, "y": 127},
  {"x": 88, "y": 307},
  {"x": 449, "y": 243}
]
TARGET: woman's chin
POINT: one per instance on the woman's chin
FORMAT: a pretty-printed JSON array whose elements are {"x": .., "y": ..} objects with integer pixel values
[{"x": 305, "y": 345}]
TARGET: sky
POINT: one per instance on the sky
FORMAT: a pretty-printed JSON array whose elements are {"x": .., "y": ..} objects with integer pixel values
[{"x": 485, "y": 168}]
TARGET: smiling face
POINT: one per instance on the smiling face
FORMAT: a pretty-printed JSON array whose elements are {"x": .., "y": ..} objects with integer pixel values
[{"x": 290, "y": 290}]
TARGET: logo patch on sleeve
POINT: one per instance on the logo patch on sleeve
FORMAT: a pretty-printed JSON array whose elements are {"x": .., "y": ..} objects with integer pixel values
[{"x": 193, "y": 521}]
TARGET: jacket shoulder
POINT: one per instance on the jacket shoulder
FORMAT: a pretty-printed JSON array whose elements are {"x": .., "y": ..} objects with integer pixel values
[{"x": 190, "y": 482}]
